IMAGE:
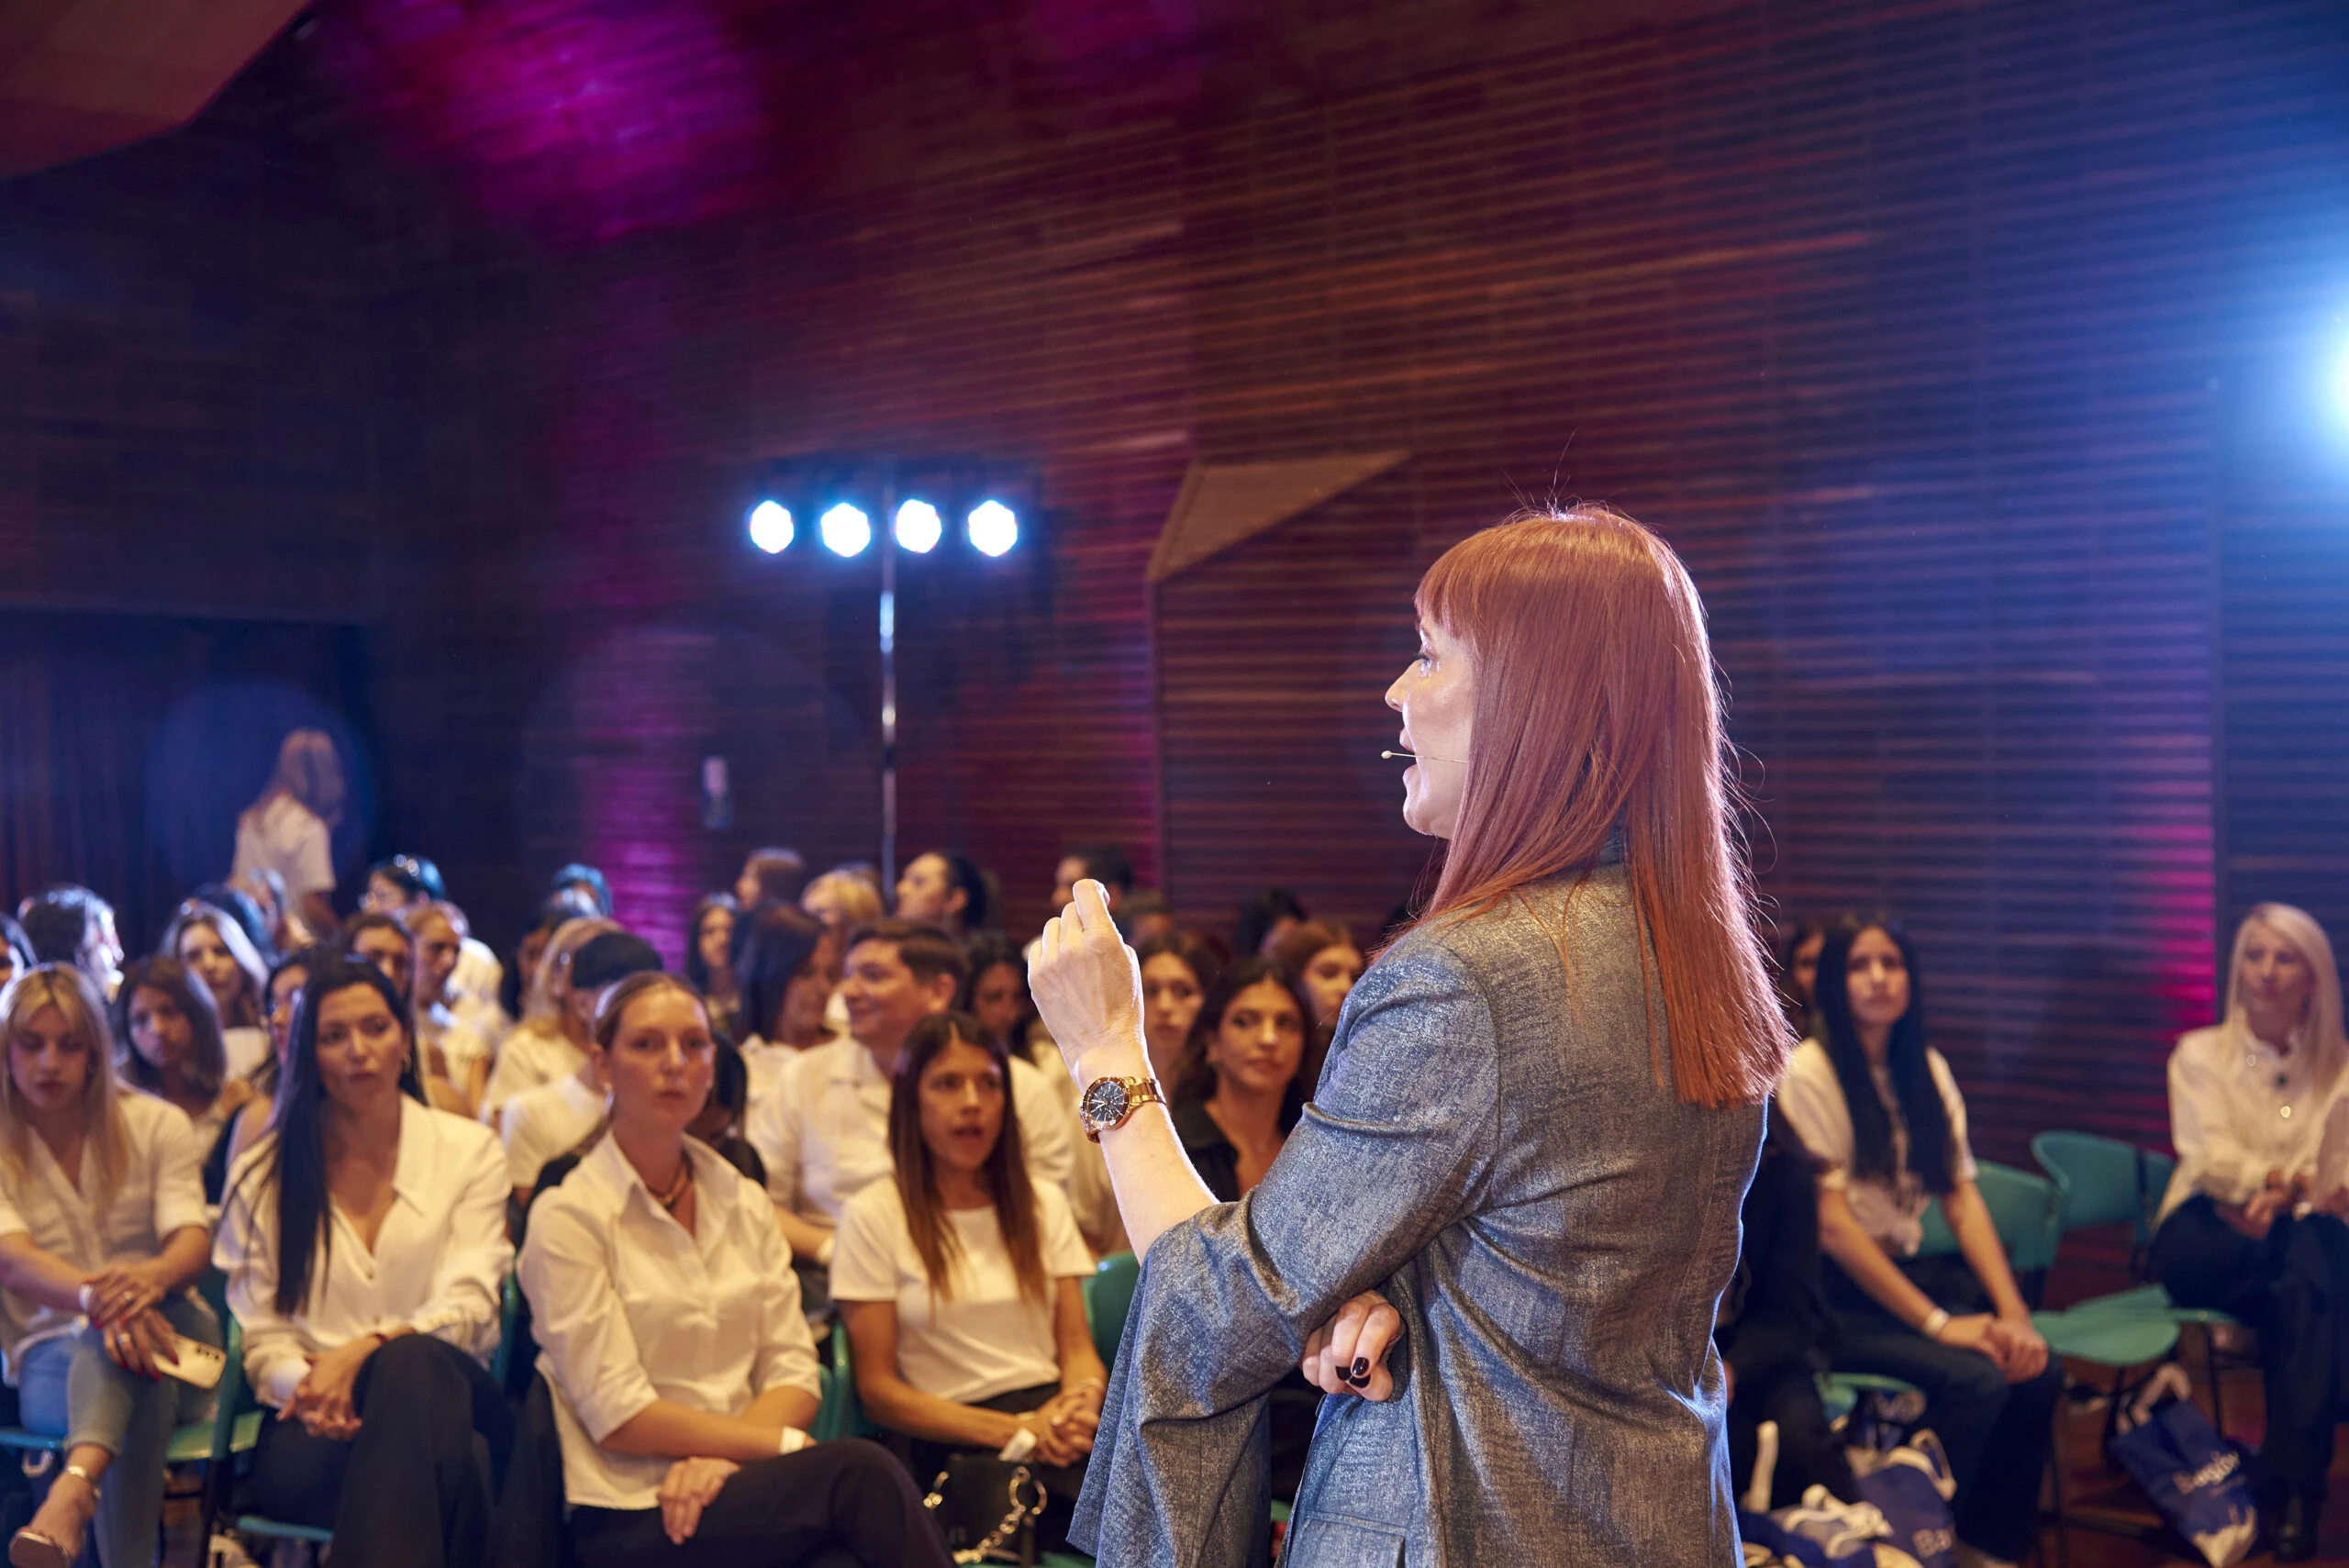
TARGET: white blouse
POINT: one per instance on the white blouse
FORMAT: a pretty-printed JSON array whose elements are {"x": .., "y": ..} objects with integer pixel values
[
  {"x": 630, "y": 1307},
  {"x": 161, "y": 1192},
  {"x": 1891, "y": 1212},
  {"x": 985, "y": 1338},
  {"x": 437, "y": 1267},
  {"x": 2238, "y": 1109},
  {"x": 823, "y": 1129},
  {"x": 529, "y": 1057}
]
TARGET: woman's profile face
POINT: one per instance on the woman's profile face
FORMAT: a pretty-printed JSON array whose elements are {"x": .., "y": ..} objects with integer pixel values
[
  {"x": 1875, "y": 978},
  {"x": 2274, "y": 983},
  {"x": 1437, "y": 699},
  {"x": 285, "y": 994},
  {"x": 717, "y": 939},
  {"x": 1327, "y": 976},
  {"x": 961, "y": 1105},
  {"x": 1260, "y": 1041},
  {"x": 202, "y": 949},
  {"x": 925, "y": 890}
]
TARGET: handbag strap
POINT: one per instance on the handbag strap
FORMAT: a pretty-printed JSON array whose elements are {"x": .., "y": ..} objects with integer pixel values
[{"x": 1021, "y": 1513}]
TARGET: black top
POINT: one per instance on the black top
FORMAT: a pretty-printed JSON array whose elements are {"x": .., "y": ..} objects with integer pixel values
[
  {"x": 1212, "y": 1155},
  {"x": 1773, "y": 1312}
]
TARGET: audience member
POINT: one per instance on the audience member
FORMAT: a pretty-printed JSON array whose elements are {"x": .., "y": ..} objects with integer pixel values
[
  {"x": 1145, "y": 916},
  {"x": 382, "y": 940},
  {"x": 824, "y": 1132},
  {"x": 1176, "y": 973},
  {"x": 1799, "y": 967},
  {"x": 1879, "y": 1107},
  {"x": 364, "y": 1242},
  {"x": 2250, "y": 1101},
  {"x": 790, "y": 966},
  {"x": 285, "y": 992},
  {"x": 246, "y": 911},
  {"x": 959, "y": 1280},
  {"x": 581, "y": 880},
  {"x": 683, "y": 1375},
  {"x": 1239, "y": 1089},
  {"x": 842, "y": 901},
  {"x": 288, "y": 929},
  {"x": 216, "y": 949},
  {"x": 994, "y": 992},
  {"x": 710, "y": 961},
  {"x": 1323, "y": 960},
  {"x": 770, "y": 876},
  {"x": 947, "y": 891},
  {"x": 455, "y": 1051},
  {"x": 1265, "y": 918},
  {"x": 101, "y": 1230},
  {"x": 167, "y": 1043},
  {"x": 289, "y": 828},
  {"x": 541, "y": 1122},
  {"x": 16, "y": 949},
  {"x": 1105, "y": 863},
  {"x": 550, "y": 1042},
  {"x": 392, "y": 884},
  {"x": 403, "y": 883},
  {"x": 515, "y": 986},
  {"x": 67, "y": 923}
]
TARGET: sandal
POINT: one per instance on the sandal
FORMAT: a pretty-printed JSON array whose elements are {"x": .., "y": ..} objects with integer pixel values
[{"x": 30, "y": 1549}]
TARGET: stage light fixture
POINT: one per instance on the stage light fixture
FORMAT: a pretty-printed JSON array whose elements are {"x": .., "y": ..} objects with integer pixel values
[
  {"x": 993, "y": 527},
  {"x": 846, "y": 530},
  {"x": 919, "y": 528},
  {"x": 771, "y": 528}
]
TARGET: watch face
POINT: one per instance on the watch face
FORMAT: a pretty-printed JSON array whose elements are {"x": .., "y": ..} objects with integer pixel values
[{"x": 1106, "y": 1101}]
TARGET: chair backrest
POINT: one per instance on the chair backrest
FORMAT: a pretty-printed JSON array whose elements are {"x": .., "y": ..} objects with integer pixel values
[
  {"x": 509, "y": 1323},
  {"x": 2024, "y": 1208},
  {"x": 1108, "y": 1297},
  {"x": 842, "y": 1414},
  {"x": 2099, "y": 1178}
]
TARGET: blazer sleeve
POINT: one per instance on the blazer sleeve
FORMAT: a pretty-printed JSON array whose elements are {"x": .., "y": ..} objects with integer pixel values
[{"x": 1396, "y": 1145}]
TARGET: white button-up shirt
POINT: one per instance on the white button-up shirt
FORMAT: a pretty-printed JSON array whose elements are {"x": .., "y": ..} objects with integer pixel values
[
  {"x": 437, "y": 1267},
  {"x": 631, "y": 1308},
  {"x": 823, "y": 1129},
  {"x": 529, "y": 1056},
  {"x": 2238, "y": 1109},
  {"x": 160, "y": 1191}
]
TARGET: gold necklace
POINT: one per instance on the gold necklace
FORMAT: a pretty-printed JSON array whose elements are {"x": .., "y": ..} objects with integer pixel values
[{"x": 669, "y": 1197}]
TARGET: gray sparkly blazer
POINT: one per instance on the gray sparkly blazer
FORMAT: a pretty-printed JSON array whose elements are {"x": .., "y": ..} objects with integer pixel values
[{"x": 1490, "y": 1146}]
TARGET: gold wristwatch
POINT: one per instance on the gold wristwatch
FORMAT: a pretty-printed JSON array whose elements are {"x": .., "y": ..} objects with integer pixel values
[{"x": 1110, "y": 1101}]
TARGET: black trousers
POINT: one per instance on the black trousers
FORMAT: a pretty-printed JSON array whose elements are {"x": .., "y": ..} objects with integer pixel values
[
  {"x": 1809, "y": 1454},
  {"x": 837, "y": 1504},
  {"x": 1061, "y": 1483},
  {"x": 417, "y": 1496},
  {"x": 2293, "y": 1288}
]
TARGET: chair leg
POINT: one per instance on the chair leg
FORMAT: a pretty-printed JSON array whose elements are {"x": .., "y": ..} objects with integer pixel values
[{"x": 2211, "y": 1367}]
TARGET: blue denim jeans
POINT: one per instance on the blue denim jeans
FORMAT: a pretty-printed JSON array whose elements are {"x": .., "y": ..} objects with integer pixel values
[{"x": 70, "y": 1388}]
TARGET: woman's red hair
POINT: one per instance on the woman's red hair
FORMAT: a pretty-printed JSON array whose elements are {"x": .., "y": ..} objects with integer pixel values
[{"x": 1595, "y": 706}]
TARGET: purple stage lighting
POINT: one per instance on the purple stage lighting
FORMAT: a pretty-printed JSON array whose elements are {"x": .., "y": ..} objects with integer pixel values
[
  {"x": 846, "y": 530},
  {"x": 771, "y": 528},
  {"x": 993, "y": 527},
  {"x": 919, "y": 527}
]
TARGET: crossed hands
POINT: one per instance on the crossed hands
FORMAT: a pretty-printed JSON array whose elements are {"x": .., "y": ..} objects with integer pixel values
[
  {"x": 2279, "y": 1198},
  {"x": 1347, "y": 1355},
  {"x": 2013, "y": 1346},
  {"x": 691, "y": 1485},
  {"x": 322, "y": 1401},
  {"x": 1065, "y": 1424}
]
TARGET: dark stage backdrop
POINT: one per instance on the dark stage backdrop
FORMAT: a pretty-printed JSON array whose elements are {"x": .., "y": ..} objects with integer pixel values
[{"x": 1915, "y": 327}]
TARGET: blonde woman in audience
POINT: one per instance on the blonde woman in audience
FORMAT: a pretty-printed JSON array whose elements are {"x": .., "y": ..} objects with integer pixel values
[
  {"x": 670, "y": 1334},
  {"x": 2246, "y": 1226},
  {"x": 289, "y": 830},
  {"x": 455, "y": 1049},
  {"x": 101, "y": 1230},
  {"x": 219, "y": 953},
  {"x": 550, "y": 1041},
  {"x": 959, "y": 1280},
  {"x": 843, "y": 899},
  {"x": 539, "y": 1124},
  {"x": 167, "y": 1041},
  {"x": 365, "y": 1241}
]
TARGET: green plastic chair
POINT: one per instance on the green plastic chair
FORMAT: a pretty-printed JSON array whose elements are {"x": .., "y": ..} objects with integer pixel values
[
  {"x": 236, "y": 1429},
  {"x": 509, "y": 1318},
  {"x": 1108, "y": 1297}
]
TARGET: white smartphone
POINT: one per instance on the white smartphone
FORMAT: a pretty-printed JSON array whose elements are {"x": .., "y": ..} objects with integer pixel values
[{"x": 199, "y": 1364}]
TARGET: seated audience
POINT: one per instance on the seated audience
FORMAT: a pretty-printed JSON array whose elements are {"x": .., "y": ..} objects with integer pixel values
[
  {"x": 364, "y": 1242},
  {"x": 790, "y": 966},
  {"x": 1799, "y": 968},
  {"x": 540, "y": 1123},
  {"x": 1239, "y": 1089},
  {"x": 1176, "y": 973},
  {"x": 1145, "y": 916},
  {"x": 16, "y": 949},
  {"x": 101, "y": 1230},
  {"x": 1325, "y": 964},
  {"x": 824, "y": 1131},
  {"x": 947, "y": 891},
  {"x": 514, "y": 988},
  {"x": 770, "y": 876},
  {"x": 241, "y": 908},
  {"x": 2249, "y": 1103},
  {"x": 994, "y": 992},
  {"x": 1265, "y": 918},
  {"x": 382, "y": 940},
  {"x": 550, "y": 1042},
  {"x": 961, "y": 1280},
  {"x": 719, "y": 1125},
  {"x": 289, "y": 828},
  {"x": 1774, "y": 1331},
  {"x": 843, "y": 901},
  {"x": 167, "y": 1043},
  {"x": 1105, "y": 863},
  {"x": 216, "y": 950},
  {"x": 285, "y": 982},
  {"x": 710, "y": 961},
  {"x": 67, "y": 923},
  {"x": 670, "y": 1334},
  {"x": 454, "y": 1050},
  {"x": 1878, "y": 1107},
  {"x": 578, "y": 881}
]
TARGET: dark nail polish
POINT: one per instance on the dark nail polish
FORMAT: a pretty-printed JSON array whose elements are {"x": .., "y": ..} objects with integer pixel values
[
  {"x": 1357, "y": 1381},
  {"x": 1361, "y": 1368}
]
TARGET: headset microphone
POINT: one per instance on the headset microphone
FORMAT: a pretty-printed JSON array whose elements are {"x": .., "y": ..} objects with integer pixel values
[{"x": 1423, "y": 757}]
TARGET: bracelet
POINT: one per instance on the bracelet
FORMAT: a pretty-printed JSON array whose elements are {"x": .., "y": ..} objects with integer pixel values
[
  {"x": 823, "y": 1252},
  {"x": 793, "y": 1441},
  {"x": 84, "y": 1477},
  {"x": 1935, "y": 1321},
  {"x": 88, "y": 1298}
]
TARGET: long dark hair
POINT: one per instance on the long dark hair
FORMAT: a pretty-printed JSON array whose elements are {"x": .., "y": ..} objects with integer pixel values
[
  {"x": 308, "y": 960},
  {"x": 1930, "y": 1154},
  {"x": 510, "y": 995},
  {"x": 1194, "y": 1079},
  {"x": 1006, "y": 1171},
  {"x": 773, "y": 945},
  {"x": 987, "y": 950},
  {"x": 191, "y": 995},
  {"x": 697, "y": 967},
  {"x": 297, "y": 1161}
]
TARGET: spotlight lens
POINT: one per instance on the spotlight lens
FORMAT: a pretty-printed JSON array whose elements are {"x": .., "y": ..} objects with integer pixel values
[
  {"x": 919, "y": 528},
  {"x": 770, "y": 526},
  {"x": 993, "y": 527},
  {"x": 846, "y": 531}
]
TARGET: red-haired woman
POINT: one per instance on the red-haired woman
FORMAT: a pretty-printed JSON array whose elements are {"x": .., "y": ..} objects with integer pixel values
[{"x": 1530, "y": 1140}]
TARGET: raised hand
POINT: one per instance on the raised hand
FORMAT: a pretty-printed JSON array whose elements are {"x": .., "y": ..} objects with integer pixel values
[{"x": 1087, "y": 987}]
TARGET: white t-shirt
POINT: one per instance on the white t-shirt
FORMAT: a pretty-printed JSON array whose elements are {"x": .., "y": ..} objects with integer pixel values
[
  {"x": 538, "y": 1124},
  {"x": 984, "y": 1340},
  {"x": 287, "y": 838},
  {"x": 1891, "y": 1212},
  {"x": 530, "y": 1056},
  {"x": 247, "y": 1048}
]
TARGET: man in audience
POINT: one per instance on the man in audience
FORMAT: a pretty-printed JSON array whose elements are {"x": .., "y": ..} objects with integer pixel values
[
  {"x": 824, "y": 1130},
  {"x": 67, "y": 923}
]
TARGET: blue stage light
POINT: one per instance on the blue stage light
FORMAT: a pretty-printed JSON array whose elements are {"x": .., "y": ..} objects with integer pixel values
[
  {"x": 919, "y": 528},
  {"x": 846, "y": 530},
  {"x": 771, "y": 528},
  {"x": 993, "y": 527}
]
